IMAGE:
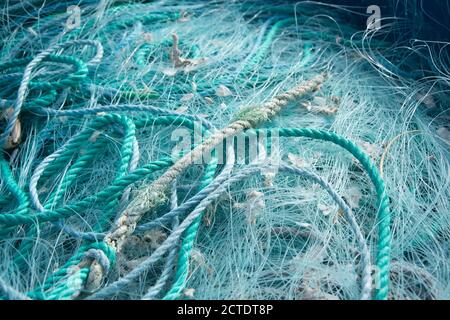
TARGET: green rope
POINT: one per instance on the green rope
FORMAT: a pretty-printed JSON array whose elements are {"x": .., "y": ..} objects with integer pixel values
[
  {"x": 58, "y": 282},
  {"x": 384, "y": 215},
  {"x": 384, "y": 235}
]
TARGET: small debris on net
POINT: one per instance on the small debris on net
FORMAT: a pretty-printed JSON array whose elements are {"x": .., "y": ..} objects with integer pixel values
[
  {"x": 223, "y": 91},
  {"x": 353, "y": 197},
  {"x": 187, "y": 97},
  {"x": 209, "y": 100}
]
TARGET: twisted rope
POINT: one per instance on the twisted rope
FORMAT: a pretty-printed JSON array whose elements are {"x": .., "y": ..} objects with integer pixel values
[
  {"x": 205, "y": 198},
  {"x": 9, "y": 293},
  {"x": 151, "y": 196},
  {"x": 384, "y": 215},
  {"x": 21, "y": 93},
  {"x": 154, "y": 290}
]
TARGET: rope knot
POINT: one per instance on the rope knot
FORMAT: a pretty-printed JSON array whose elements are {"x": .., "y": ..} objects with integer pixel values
[
  {"x": 99, "y": 267},
  {"x": 100, "y": 257}
]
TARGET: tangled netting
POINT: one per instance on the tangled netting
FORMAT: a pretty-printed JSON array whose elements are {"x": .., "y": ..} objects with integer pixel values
[{"x": 221, "y": 150}]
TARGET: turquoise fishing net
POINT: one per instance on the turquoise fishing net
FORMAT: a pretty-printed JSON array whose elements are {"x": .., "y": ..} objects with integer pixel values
[{"x": 96, "y": 97}]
